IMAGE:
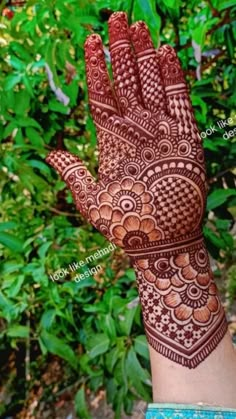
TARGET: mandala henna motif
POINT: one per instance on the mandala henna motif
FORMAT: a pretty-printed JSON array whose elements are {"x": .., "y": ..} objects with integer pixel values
[{"x": 151, "y": 190}]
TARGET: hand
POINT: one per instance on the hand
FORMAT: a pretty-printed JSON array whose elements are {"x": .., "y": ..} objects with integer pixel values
[
  {"x": 151, "y": 173},
  {"x": 151, "y": 193}
]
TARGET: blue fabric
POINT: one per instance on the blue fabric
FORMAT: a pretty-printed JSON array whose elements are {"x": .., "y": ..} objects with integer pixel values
[{"x": 182, "y": 411}]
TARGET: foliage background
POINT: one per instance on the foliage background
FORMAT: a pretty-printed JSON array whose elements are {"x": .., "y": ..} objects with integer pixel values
[{"x": 64, "y": 337}]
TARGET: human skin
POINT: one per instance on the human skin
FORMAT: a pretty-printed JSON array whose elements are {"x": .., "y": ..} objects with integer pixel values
[{"x": 150, "y": 200}]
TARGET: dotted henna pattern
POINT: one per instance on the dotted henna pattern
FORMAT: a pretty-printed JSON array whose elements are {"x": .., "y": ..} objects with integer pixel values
[{"x": 151, "y": 193}]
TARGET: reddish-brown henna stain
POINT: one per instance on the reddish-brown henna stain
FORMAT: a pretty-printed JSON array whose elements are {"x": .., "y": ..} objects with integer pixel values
[{"x": 151, "y": 193}]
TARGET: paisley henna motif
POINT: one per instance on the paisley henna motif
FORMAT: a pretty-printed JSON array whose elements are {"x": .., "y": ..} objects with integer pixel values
[{"x": 151, "y": 192}]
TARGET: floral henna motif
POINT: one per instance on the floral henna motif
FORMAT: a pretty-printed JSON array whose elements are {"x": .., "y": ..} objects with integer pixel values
[
  {"x": 151, "y": 190},
  {"x": 181, "y": 307}
]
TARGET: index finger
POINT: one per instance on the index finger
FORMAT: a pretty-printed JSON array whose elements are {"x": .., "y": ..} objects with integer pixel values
[{"x": 101, "y": 99}]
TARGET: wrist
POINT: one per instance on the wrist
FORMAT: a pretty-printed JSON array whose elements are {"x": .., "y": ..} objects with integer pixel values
[{"x": 183, "y": 317}]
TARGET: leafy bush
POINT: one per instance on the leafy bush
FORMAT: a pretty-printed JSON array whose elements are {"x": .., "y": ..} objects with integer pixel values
[{"x": 93, "y": 326}]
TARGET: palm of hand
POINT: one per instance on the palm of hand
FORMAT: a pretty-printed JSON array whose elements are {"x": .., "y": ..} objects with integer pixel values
[{"x": 151, "y": 185}]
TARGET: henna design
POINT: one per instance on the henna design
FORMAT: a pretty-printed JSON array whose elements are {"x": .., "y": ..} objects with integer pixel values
[
  {"x": 82, "y": 184},
  {"x": 179, "y": 105},
  {"x": 151, "y": 192},
  {"x": 181, "y": 308},
  {"x": 150, "y": 76},
  {"x": 124, "y": 67}
]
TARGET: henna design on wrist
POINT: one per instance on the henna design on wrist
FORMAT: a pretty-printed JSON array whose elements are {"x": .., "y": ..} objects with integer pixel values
[
  {"x": 151, "y": 190},
  {"x": 184, "y": 319}
]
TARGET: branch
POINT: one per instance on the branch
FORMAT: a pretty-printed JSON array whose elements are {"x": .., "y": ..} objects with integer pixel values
[
  {"x": 220, "y": 174},
  {"x": 67, "y": 214},
  {"x": 208, "y": 64},
  {"x": 60, "y": 141},
  {"x": 214, "y": 12},
  {"x": 27, "y": 351},
  {"x": 16, "y": 3}
]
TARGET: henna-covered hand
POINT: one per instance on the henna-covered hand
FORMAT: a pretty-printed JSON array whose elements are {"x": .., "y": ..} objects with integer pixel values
[{"x": 151, "y": 192}]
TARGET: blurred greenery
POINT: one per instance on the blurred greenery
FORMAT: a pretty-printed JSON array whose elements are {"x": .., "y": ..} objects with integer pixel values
[{"x": 93, "y": 328}]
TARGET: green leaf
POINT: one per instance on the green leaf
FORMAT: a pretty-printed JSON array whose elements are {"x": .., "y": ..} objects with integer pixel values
[
  {"x": 20, "y": 50},
  {"x": 12, "y": 80},
  {"x": 210, "y": 144},
  {"x": 16, "y": 63},
  {"x": 111, "y": 358},
  {"x": 172, "y": 3},
  {"x": 213, "y": 238},
  {"x": 219, "y": 197},
  {"x": 141, "y": 347},
  {"x": 222, "y": 224},
  {"x": 22, "y": 102},
  {"x": 81, "y": 405},
  {"x": 44, "y": 248},
  {"x": 12, "y": 242},
  {"x": 199, "y": 34},
  {"x": 9, "y": 128},
  {"x": 50, "y": 58},
  {"x": 130, "y": 273},
  {"x": 126, "y": 320},
  {"x": 58, "y": 347},
  {"x": 56, "y": 106},
  {"x": 109, "y": 326},
  {"x": 228, "y": 239},
  {"x": 28, "y": 86},
  {"x": 8, "y": 225},
  {"x": 19, "y": 137},
  {"x": 11, "y": 266},
  {"x": 28, "y": 122},
  {"x": 138, "y": 376},
  {"x": 225, "y": 4},
  {"x": 146, "y": 10},
  {"x": 98, "y": 344},
  {"x": 84, "y": 283},
  {"x": 71, "y": 90},
  {"x": 34, "y": 137},
  {"x": 39, "y": 165},
  {"x": 89, "y": 20},
  {"x": 48, "y": 318},
  {"x": 15, "y": 287},
  {"x": 141, "y": 390},
  {"x": 95, "y": 308},
  {"x": 7, "y": 307},
  {"x": 134, "y": 368},
  {"x": 18, "y": 331},
  {"x": 111, "y": 390},
  {"x": 63, "y": 54},
  {"x": 121, "y": 372},
  {"x": 118, "y": 402},
  {"x": 42, "y": 346},
  {"x": 197, "y": 101}
]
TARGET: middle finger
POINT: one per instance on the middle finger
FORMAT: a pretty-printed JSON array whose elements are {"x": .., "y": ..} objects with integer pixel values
[{"x": 124, "y": 66}]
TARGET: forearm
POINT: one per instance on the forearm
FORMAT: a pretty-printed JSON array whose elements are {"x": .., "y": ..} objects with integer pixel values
[
  {"x": 192, "y": 356},
  {"x": 150, "y": 199},
  {"x": 212, "y": 382}
]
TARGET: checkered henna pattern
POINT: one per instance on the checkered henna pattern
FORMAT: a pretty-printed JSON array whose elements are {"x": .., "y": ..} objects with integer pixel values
[{"x": 151, "y": 190}]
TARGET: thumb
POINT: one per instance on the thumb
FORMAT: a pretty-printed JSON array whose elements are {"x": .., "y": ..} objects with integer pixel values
[{"x": 72, "y": 170}]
